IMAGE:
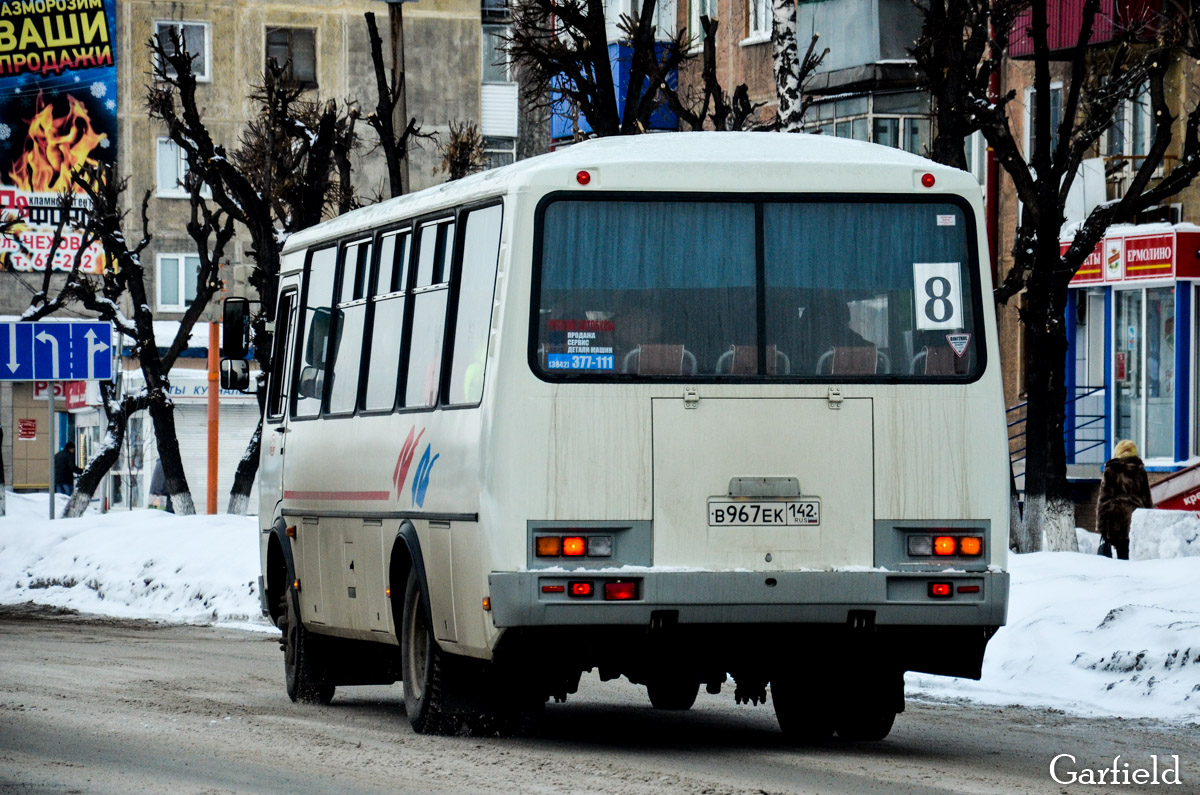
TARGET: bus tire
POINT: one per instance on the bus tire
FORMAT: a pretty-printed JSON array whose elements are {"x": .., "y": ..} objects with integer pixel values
[
  {"x": 299, "y": 667},
  {"x": 805, "y": 714},
  {"x": 672, "y": 694},
  {"x": 423, "y": 667},
  {"x": 866, "y": 724}
]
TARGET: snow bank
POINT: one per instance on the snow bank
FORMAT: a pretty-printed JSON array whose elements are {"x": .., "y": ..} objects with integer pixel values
[
  {"x": 1160, "y": 535},
  {"x": 1092, "y": 636},
  {"x": 132, "y": 564}
]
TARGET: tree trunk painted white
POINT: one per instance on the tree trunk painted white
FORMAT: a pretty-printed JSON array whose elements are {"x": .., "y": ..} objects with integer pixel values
[
  {"x": 787, "y": 65},
  {"x": 1049, "y": 524},
  {"x": 77, "y": 504}
]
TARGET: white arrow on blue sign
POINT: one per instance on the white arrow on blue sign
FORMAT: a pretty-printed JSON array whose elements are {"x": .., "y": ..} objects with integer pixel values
[{"x": 72, "y": 351}]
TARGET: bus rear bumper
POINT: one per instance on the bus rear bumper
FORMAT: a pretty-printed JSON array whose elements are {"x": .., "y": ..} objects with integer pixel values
[{"x": 532, "y": 598}]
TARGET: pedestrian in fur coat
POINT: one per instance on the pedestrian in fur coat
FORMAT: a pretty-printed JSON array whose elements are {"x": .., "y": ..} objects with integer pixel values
[{"x": 1123, "y": 488}]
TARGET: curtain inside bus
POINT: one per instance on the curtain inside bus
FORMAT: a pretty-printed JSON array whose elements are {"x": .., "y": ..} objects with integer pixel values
[{"x": 670, "y": 288}]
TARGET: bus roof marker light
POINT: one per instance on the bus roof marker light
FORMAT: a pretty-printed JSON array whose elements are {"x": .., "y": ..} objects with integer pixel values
[
  {"x": 928, "y": 180},
  {"x": 583, "y": 177}
]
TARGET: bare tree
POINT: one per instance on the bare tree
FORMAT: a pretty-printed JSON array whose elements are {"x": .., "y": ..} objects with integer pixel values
[
  {"x": 562, "y": 48},
  {"x": 283, "y": 177},
  {"x": 463, "y": 153},
  {"x": 388, "y": 90},
  {"x": 123, "y": 279},
  {"x": 709, "y": 106},
  {"x": 791, "y": 72},
  {"x": 1100, "y": 80}
]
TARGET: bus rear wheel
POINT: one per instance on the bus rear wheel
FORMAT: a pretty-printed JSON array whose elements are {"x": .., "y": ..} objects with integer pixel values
[
  {"x": 803, "y": 709},
  {"x": 299, "y": 663},
  {"x": 872, "y": 707},
  {"x": 673, "y": 694},
  {"x": 423, "y": 667}
]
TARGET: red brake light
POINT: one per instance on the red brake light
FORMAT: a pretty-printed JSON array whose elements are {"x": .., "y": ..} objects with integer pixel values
[
  {"x": 620, "y": 591},
  {"x": 553, "y": 588},
  {"x": 580, "y": 588},
  {"x": 944, "y": 545},
  {"x": 939, "y": 589},
  {"x": 574, "y": 546}
]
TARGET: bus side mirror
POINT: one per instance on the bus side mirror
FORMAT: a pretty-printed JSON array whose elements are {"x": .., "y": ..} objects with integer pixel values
[
  {"x": 235, "y": 375},
  {"x": 235, "y": 341}
]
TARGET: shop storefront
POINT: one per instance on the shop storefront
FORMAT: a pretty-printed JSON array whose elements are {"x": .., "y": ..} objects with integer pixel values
[{"x": 1132, "y": 348}]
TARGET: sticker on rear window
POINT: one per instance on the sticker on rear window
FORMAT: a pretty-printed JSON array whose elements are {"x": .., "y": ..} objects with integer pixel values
[{"x": 579, "y": 361}]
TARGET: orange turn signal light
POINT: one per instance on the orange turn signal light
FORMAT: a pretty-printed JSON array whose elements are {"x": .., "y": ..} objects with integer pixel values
[
  {"x": 574, "y": 546},
  {"x": 291, "y": 531},
  {"x": 548, "y": 546},
  {"x": 944, "y": 545},
  {"x": 970, "y": 545}
]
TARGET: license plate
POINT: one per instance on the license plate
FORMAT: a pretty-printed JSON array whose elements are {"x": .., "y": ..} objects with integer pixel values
[{"x": 764, "y": 513}]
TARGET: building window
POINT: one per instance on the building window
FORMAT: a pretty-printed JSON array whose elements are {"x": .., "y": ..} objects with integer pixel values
[
  {"x": 176, "y": 280},
  {"x": 296, "y": 50},
  {"x": 195, "y": 40},
  {"x": 499, "y": 152},
  {"x": 759, "y": 24},
  {"x": 1033, "y": 124},
  {"x": 1130, "y": 132},
  {"x": 495, "y": 59},
  {"x": 697, "y": 9},
  {"x": 897, "y": 120},
  {"x": 171, "y": 170}
]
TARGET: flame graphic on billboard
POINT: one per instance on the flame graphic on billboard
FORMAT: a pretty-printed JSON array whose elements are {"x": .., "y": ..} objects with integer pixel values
[{"x": 55, "y": 147}]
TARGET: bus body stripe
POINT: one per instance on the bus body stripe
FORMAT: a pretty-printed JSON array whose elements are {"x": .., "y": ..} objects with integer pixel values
[{"x": 337, "y": 495}]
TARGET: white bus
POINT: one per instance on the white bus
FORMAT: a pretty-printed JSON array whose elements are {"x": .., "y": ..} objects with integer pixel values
[{"x": 673, "y": 407}]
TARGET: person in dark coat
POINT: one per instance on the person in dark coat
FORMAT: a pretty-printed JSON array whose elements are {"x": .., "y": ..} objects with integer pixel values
[
  {"x": 1123, "y": 488},
  {"x": 65, "y": 469},
  {"x": 158, "y": 486}
]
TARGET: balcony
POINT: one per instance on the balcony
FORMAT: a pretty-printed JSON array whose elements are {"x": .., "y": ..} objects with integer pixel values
[{"x": 1064, "y": 18}]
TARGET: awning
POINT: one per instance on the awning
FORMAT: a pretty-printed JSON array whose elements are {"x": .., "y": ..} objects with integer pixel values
[{"x": 1139, "y": 253}]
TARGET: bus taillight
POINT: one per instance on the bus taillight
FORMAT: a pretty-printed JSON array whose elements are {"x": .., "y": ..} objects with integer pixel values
[
  {"x": 945, "y": 545},
  {"x": 970, "y": 545},
  {"x": 580, "y": 587},
  {"x": 620, "y": 591},
  {"x": 574, "y": 546},
  {"x": 940, "y": 590}
]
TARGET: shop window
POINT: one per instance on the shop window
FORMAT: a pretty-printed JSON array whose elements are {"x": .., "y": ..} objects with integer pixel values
[
  {"x": 194, "y": 38},
  {"x": 296, "y": 50},
  {"x": 1144, "y": 370},
  {"x": 176, "y": 281}
]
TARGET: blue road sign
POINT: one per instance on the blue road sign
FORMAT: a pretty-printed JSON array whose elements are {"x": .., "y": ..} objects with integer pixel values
[{"x": 71, "y": 351}]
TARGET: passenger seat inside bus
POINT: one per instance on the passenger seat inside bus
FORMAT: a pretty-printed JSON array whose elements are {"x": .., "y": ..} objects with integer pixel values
[
  {"x": 743, "y": 360},
  {"x": 659, "y": 360},
  {"x": 853, "y": 360},
  {"x": 939, "y": 360}
]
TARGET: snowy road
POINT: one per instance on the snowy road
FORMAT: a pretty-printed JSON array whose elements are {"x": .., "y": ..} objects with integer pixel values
[{"x": 102, "y": 706}]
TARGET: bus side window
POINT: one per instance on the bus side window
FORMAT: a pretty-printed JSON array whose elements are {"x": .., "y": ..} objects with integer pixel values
[
  {"x": 282, "y": 360},
  {"x": 435, "y": 245},
  {"x": 310, "y": 380},
  {"x": 347, "y": 337},
  {"x": 387, "y": 324},
  {"x": 476, "y": 288}
]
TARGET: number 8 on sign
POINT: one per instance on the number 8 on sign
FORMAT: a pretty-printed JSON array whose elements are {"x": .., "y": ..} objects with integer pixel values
[{"x": 937, "y": 292}]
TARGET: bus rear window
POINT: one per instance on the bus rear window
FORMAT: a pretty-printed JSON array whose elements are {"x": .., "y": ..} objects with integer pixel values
[{"x": 812, "y": 289}]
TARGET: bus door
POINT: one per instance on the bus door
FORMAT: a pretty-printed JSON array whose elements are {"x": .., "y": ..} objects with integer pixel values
[{"x": 275, "y": 419}]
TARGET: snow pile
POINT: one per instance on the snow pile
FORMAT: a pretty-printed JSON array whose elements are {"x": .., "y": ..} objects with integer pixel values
[
  {"x": 1093, "y": 636},
  {"x": 132, "y": 564},
  {"x": 1156, "y": 535}
]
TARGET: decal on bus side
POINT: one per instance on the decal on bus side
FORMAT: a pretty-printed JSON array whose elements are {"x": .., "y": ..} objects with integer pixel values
[{"x": 420, "y": 481}]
